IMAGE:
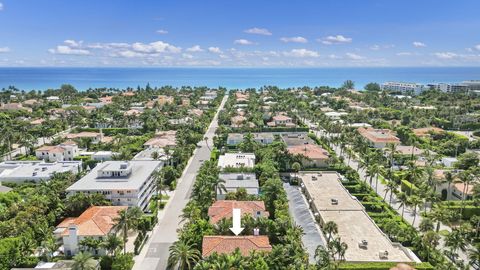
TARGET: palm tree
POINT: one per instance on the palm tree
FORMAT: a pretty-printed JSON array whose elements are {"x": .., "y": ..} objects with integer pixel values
[
  {"x": 184, "y": 254},
  {"x": 322, "y": 256},
  {"x": 84, "y": 261},
  {"x": 402, "y": 197},
  {"x": 296, "y": 166},
  {"x": 392, "y": 150},
  {"x": 455, "y": 241},
  {"x": 111, "y": 244},
  {"x": 126, "y": 221},
  {"x": 415, "y": 201},
  {"x": 474, "y": 255},
  {"x": 330, "y": 228}
]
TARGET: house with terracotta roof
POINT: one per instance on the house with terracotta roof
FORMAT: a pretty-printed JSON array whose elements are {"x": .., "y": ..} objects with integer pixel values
[
  {"x": 37, "y": 122},
  {"x": 106, "y": 100},
  {"x": 224, "y": 209},
  {"x": 238, "y": 121},
  {"x": 427, "y": 131},
  {"x": 163, "y": 99},
  {"x": 378, "y": 138},
  {"x": 281, "y": 121},
  {"x": 222, "y": 244},
  {"x": 63, "y": 152},
  {"x": 128, "y": 94},
  {"x": 312, "y": 155},
  {"x": 94, "y": 136},
  {"x": 162, "y": 139},
  {"x": 195, "y": 112},
  {"x": 31, "y": 102},
  {"x": 96, "y": 222},
  {"x": 14, "y": 107}
]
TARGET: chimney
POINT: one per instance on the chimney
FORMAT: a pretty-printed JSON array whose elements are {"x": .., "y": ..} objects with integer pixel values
[{"x": 256, "y": 231}]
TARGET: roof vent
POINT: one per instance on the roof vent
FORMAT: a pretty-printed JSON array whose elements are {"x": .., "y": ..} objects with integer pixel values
[{"x": 334, "y": 201}]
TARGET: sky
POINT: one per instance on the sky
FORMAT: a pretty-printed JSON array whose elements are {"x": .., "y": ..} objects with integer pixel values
[{"x": 239, "y": 33}]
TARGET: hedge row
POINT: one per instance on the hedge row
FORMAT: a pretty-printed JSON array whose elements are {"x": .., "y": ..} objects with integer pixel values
[
  {"x": 110, "y": 131},
  {"x": 408, "y": 187}
]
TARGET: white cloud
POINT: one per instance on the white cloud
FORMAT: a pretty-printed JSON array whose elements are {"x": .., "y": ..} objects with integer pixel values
[
  {"x": 404, "y": 53},
  {"x": 294, "y": 39},
  {"x": 301, "y": 53},
  {"x": 1, "y": 6},
  {"x": 72, "y": 43},
  {"x": 445, "y": 55},
  {"x": 66, "y": 50},
  {"x": 243, "y": 42},
  {"x": 477, "y": 47},
  {"x": 354, "y": 56},
  {"x": 375, "y": 47},
  {"x": 258, "y": 31},
  {"x": 338, "y": 39},
  {"x": 214, "y": 50},
  {"x": 129, "y": 54},
  {"x": 155, "y": 47},
  {"x": 108, "y": 46},
  {"x": 419, "y": 44},
  {"x": 195, "y": 48},
  {"x": 4, "y": 49},
  {"x": 162, "y": 32},
  {"x": 187, "y": 56}
]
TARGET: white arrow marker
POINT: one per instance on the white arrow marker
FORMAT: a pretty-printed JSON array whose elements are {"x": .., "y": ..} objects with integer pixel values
[{"x": 237, "y": 219}]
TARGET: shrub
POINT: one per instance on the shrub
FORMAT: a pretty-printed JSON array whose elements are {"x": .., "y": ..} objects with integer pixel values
[{"x": 408, "y": 187}]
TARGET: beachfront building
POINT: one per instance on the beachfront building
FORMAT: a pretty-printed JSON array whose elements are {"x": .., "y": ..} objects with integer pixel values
[
  {"x": 312, "y": 155},
  {"x": 63, "y": 152},
  {"x": 126, "y": 183},
  {"x": 224, "y": 209},
  {"x": 96, "y": 222},
  {"x": 330, "y": 201},
  {"x": 378, "y": 138},
  {"x": 235, "y": 181},
  {"x": 35, "y": 171},
  {"x": 404, "y": 87},
  {"x": 222, "y": 244},
  {"x": 236, "y": 160}
]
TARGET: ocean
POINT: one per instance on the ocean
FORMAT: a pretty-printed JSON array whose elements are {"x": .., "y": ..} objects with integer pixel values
[{"x": 84, "y": 78}]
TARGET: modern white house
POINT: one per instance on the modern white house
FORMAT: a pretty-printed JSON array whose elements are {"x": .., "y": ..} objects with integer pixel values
[
  {"x": 236, "y": 160},
  {"x": 262, "y": 138},
  {"x": 234, "y": 181},
  {"x": 96, "y": 222},
  {"x": 36, "y": 171},
  {"x": 126, "y": 183},
  {"x": 63, "y": 152}
]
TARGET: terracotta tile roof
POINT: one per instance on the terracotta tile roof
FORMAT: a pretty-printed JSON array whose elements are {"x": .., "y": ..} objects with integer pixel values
[
  {"x": 37, "y": 121},
  {"x": 52, "y": 149},
  {"x": 422, "y": 132},
  {"x": 311, "y": 151},
  {"x": 378, "y": 135},
  {"x": 460, "y": 187},
  {"x": 132, "y": 112},
  {"x": 407, "y": 150},
  {"x": 163, "y": 138},
  {"x": 95, "y": 221},
  {"x": 128, "y": 94},
  {"x": 69, "y": 142},
  {"x": 227, "y": 244},
  {"x": 281, "y": 118},
  {"x": 83, "y": 134},
  {"x": 107, "y": 99},
  {"x": 238, "y": 119},
  {"x": 223, "y": 209}
]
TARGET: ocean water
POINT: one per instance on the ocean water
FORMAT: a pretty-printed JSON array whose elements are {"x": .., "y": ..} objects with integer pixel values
[{"x": 83, "y": 78}]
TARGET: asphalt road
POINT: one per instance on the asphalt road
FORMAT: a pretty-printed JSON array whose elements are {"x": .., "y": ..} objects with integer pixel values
[{"x": 155, "y": 252}]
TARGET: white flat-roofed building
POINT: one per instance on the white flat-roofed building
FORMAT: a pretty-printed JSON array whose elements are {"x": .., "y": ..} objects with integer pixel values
[
  {"x": 450, "y": 87},
  {"x": 262, "y": 138},
  {"x": 126, "y": 183},
  {"x": 103, "y": 155},
  {"x": 36, "y": 171},
  {"x": 234, "y": 181},
  {"x": 237, "y": 160},
  {"x": 331, "y": 201},
  {"x": 335, "y": 115},
  {"x": 404, "y": 87}
]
